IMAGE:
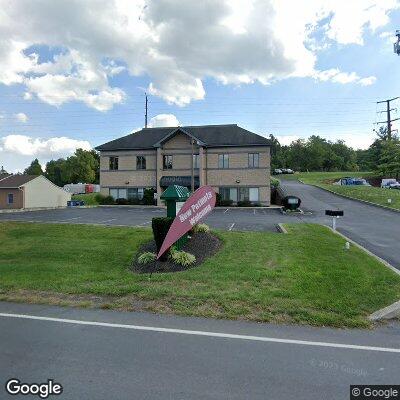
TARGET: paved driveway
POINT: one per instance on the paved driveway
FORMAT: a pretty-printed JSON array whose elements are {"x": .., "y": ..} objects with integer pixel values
[
  {"x": 375, "y": 228},
  {"x": 97, "y": 354}
]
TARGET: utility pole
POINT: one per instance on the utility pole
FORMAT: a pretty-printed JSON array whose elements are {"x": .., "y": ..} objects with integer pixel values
[
  {"x": 389, "y": 120},
  {"x": 192, "y": 177},
  {"x": 145, "y": 114}
]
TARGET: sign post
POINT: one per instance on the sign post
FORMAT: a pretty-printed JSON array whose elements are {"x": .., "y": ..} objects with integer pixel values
[
  {"x": 196, "y": 208},
  {"x": 334, "y": 214}
]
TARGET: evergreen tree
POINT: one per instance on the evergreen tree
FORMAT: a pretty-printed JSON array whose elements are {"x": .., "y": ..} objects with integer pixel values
[{"x": 34, "y": 169}]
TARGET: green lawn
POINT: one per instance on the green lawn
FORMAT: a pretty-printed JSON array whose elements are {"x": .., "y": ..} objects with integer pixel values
[
  {"x": 88, "y": 198},
  {"x": 368, "y": 193},
  {"x": 305, "y": 276}
]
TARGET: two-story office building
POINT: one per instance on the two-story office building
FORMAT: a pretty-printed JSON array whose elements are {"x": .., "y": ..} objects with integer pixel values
[{"x": 233, "y": 160}]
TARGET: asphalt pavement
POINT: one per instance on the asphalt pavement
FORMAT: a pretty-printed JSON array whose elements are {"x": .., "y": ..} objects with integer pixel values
[{"x": 98, "y": 354}]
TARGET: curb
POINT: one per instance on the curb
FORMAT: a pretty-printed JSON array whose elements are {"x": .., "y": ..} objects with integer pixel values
[
  {"x": 131, "y": 206},
  {"x": 391, "y": 311},
  {"x": 352, "y": 198},
  {"x": 21, "y": 210},
  {"x": 281, "y": 228}
]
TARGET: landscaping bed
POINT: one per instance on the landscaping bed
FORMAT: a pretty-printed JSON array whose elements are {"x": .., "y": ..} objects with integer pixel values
[
  {"x": 306, "y": 276},
  {"x": 202, "y": 245}
]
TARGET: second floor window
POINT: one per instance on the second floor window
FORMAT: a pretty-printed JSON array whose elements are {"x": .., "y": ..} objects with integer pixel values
[
  {"x": 140, "y": 162},
  {"x": 253, "y": 160},
  {"x": 167, "y": 162},
  {"x": 195, "y": 161},
  {"x": 223, "y": 160},
  {"x": 113, "y": 163}
]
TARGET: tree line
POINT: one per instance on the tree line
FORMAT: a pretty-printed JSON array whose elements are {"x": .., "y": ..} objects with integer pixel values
[
  {"x": 83, "y": 166},
  {"x": 319, "y": 154},
  {"x": 312, "y": 154}
]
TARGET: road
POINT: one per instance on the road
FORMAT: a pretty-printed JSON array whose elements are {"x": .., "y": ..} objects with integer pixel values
[
  {"x": 98, "y": 354},
  {"x": 375, "y": 228}
]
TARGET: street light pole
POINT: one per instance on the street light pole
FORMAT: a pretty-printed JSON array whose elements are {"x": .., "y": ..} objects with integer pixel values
[{"x": 192, "y": 180}]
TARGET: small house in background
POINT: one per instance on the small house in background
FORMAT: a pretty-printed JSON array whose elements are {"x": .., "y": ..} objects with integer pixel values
[{"x": 30, "y": 192}]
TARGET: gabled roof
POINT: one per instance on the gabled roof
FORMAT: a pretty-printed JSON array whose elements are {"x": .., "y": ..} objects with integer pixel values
[
  {"x": 206, "y": 135},
  {"x": 16, "y": 181}
]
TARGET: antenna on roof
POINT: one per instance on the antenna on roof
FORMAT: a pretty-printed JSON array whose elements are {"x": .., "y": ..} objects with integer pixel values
[{"x": 145, "y": 113}]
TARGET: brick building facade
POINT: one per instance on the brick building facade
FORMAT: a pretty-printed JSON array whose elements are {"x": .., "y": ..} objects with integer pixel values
[{"x": 234, "y": 161}]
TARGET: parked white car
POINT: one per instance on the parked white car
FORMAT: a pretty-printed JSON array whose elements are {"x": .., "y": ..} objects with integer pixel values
[{"x": 390, "y": 184}]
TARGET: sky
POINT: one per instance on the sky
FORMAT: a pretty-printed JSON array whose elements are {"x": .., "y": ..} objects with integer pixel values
[{"x": 74, "y": 74}]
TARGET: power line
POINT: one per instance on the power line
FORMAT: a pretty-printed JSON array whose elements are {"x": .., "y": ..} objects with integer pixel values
[{"x": 388, "y": 121}]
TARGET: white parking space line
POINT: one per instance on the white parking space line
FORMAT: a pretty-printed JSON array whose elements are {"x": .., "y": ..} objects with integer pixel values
[
  {"x": 231, "y": 227},
  {"x": 254, "y": 212},
  {"x": 204, "y": 333}
]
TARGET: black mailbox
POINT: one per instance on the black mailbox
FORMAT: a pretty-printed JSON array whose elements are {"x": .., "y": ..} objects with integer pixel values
[
  {"x": 334, "y": 213},
  {"x": 291, "y": 202}
]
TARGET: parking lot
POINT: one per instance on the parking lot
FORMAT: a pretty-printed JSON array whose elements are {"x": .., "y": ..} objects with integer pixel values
[{"x": 221, "y": 218}]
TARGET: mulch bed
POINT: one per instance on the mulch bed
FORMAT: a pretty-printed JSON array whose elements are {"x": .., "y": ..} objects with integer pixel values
[{"x": 201, "y": 245}]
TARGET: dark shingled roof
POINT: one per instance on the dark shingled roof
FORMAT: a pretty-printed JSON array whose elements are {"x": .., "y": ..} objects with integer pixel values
[
  {"x": 3, "y": 176},
  {"x": 209, "y": 135},
  {"x": 16, "y": 181}
]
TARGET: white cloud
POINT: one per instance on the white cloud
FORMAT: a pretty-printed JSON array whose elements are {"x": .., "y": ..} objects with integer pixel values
[
  {"x": 334, "y": 75},
  {"x": 17, "y": 151},
  {"x": 286, "y": 140},
  {"x": 21, "y": 117},
  {"x": 161, "y": 120},
  {"x": 29, "y": 146},
  {"x": 176, "y": 44}
]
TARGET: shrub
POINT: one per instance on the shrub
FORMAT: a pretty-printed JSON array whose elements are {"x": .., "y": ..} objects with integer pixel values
[
  {"x": 146, "y": 257},
  {"x": 200, "y": 228},
  {"x": 244, "y": 203},
  {"x": 160, "y": 226},
  {"x": 104, "y": 200},
  {"x": 134, "y": 201},
  {"x": 182, "y": 257},
  {"x": 122, "y": 202},
  {"x": 148, "y": 196},
  {"x": 274, "y": 183}
]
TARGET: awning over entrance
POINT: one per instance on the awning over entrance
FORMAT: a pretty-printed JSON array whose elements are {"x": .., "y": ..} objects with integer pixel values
[{"x": 179, "y": 180}]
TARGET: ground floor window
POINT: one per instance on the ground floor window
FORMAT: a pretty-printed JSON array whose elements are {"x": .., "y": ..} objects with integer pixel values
[
  {"x": 239, "y": 194},
  {"x": 228, "y": 193},
  {"x": 135, "y": 193},
  {"x": 127, "y": 193},
  {"x": 10, "y": 198}
]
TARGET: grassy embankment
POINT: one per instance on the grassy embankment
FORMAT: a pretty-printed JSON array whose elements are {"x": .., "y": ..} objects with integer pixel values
[
  {"x": 368, "y": 193},
  {"x": 88, "y": 198},
  {"x": 303, "y": 277}
]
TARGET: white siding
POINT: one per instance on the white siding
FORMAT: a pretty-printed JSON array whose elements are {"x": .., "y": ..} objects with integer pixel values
[{"x": 40, "y": 192}]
